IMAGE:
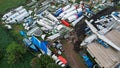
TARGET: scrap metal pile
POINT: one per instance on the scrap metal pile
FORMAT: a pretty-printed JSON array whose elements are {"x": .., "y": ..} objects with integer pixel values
[{"x": 50, "y": 22}]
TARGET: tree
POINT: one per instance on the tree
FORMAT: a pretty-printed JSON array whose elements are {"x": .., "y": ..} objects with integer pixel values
[
  {"x": 53, "y": 65},
  {"x": 41, "y": 62},
  {"x": 15, "y": 52},
  {"x": 36, "y": 63},
  {"x": 1, "y": 54},
  {"x": 46, "y": 59}
]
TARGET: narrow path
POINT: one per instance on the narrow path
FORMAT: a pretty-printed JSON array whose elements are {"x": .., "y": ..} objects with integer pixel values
[{"x": 73, "y": 58}]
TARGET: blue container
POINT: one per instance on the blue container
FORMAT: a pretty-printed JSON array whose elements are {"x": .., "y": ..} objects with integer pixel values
[
  {"x": 58, "y": 12},
  {"x": 80, "y": 14},
  {"x": 102, "y": 43},
  {"x": 87, "y": 60},
  {"x": 88, "y": 10},
  {"x": 116, "y": 14}
]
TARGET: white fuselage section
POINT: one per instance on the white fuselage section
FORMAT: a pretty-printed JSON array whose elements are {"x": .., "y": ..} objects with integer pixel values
[
  {"x": 89, "y": 40},
  {"x": 51, "y": 17},
  {"x": 76, "y": 21},
  {"x": 102, "y": 37}
]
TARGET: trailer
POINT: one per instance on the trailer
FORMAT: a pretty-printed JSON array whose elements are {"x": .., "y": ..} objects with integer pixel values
[
  {"x": 53, "y": 37},
  {"x": 67, "y": 11},
  {"x": 76, "y": 21},
  {"x": 72, "y": 13},
  {"x": 74, "y": 17},
  {"x": 19, "y": 8},
  {"x": 60, "y": 10},
  {"x": 19, "y": 18},
  {"x": 51, "y": 17},
  {"x": 65, "y": 23},
  {"x": 7, "y": 15},
  {"x": 42, "y": 23}
]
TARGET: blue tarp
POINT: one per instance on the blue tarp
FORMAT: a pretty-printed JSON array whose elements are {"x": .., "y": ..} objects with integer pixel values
[
  {"x": 34, "y": 48},
  {"x": 88, "y": 61},
  {"x": 39, "y": 44},
  {"x": 29, "y": 44},
  {"x": 23, "y": 33}
]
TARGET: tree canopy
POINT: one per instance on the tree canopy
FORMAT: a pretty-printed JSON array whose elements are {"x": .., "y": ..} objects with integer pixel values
[
  {"x": 44, "y": 61},
  {"x": 15, "y": 52},
  {"x": 53, "y": 65}
]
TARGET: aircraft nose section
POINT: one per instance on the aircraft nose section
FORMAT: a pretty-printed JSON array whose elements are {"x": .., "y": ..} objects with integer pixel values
[{"x": 83, "y": 44}]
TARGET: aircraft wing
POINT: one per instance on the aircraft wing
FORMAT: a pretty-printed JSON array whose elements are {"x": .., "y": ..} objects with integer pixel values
[
  {"x": 102, "y": 37},
  {"x": 93, "y": 29},
  {"x": 115, "y": 18},
  {"x": 89, "y": 39}
]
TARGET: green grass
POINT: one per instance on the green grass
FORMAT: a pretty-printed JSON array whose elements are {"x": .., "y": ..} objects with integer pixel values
[{"x": 6, "y": 5}]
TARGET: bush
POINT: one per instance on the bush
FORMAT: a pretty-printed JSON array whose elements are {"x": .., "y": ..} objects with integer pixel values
[
  {"x": 53, "y": 65},
  {"x": 41, "y": 62},
  {"x": 35, "y": 63},
  {"x": 1, "y": 54},
  {"x": 15, "y": 52}
]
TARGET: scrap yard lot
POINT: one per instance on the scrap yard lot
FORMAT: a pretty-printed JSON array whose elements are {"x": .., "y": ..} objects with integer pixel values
[{"x": 59, "y": 34}]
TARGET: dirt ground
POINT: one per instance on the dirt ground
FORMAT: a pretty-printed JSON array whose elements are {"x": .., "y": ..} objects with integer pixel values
[{"x": 72, "y": 57}]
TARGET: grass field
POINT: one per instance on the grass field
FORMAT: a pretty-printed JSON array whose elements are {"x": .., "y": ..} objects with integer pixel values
[{"x": 9, "y": 4}]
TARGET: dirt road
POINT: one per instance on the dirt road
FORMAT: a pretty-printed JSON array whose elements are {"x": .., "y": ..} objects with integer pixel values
[{"x": 73, "y": 58}]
